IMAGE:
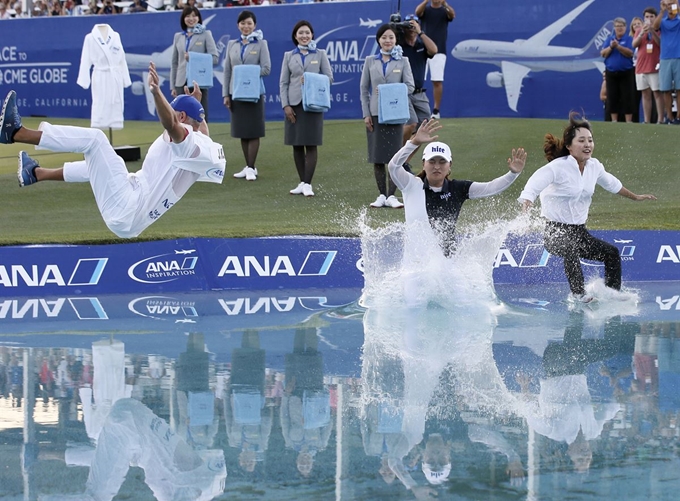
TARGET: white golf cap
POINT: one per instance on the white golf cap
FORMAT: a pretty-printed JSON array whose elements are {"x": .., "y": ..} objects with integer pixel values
[
  {"x": 436, "y": 477},
  {"x": 437, "y": 149}
]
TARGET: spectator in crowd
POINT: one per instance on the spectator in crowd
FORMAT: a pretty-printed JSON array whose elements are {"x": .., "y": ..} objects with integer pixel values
[
  {"x": 4, "y": 11},
  {"x": 92, "y": 7},
  {"x": 668, "y": 23},
  {"x": 40, "y": 9},
  {"x": 388, "y": 66},
  {"x": 69, "y": 7},
  {"x": 109, "y": 8},
  {"x": 194, "y": 37},
  {"x": 303, "y": 129},
  {"x": 647, "y": 41},
  {"x": 635, "y": 23},
  {"x": 247, "y": 118},
  {"x": 435, "y": 16},
  {"x": 19, "y": 12},
  {"x": 419, "y": 49},
  {"x": 142, "y": 6},
  {"x": 617, "y": 52},
  {"x": 57, "y": 9},
  {"x": 603, "y": 97}
]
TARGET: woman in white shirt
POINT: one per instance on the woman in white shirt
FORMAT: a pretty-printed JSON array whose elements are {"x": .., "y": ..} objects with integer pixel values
[{"x": 566, "y": 186}]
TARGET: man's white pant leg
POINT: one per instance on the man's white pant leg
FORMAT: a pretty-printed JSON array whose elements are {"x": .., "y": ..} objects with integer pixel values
[
  {"x": 76, "y": 172},
  {"x": 106, "y": 171}
]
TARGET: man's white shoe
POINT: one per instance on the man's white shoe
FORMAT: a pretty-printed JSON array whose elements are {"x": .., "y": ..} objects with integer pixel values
[
  {"x": 251, "y": 174},
  {"x": 393, "y": 202},
  {"x": 307, "y": 190},
  {"x": 379, "y": 202},
  {"x": 436, "y": 116},
  {"x": 297, "y": 190}
]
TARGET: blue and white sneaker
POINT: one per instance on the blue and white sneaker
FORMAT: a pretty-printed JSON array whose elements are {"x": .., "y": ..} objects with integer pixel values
[
  {"x": 26, "y": 171},
  {"x": 10, "y": 120}
]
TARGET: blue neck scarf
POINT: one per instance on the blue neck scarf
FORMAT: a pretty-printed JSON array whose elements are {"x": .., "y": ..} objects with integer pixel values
[
  {"x": 396, "y": 53},
  {"x": 311, "y": 46},
  {"x": 255, "y": 36}
]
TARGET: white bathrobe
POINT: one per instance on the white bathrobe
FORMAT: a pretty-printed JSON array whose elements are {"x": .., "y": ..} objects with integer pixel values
[{"x": 103, "y": 49}]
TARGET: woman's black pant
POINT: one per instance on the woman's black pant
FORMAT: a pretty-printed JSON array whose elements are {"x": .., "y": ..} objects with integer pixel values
[{"x": 572, "y": 242}]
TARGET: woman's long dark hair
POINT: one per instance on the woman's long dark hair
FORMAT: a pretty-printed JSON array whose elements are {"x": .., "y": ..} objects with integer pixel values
[{"x": 554, "y": 147}]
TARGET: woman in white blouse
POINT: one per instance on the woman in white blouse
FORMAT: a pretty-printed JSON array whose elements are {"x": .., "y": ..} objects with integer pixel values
[{"x": 566, "y": 186}]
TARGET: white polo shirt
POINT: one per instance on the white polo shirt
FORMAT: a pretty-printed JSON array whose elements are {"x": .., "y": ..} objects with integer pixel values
[{"x": 565, "y": 193}]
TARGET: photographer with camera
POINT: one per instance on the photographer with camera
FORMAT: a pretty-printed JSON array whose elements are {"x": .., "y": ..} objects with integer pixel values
[
  {"x": 419, "y": 49},
  {"x": 435, "y": 16}
]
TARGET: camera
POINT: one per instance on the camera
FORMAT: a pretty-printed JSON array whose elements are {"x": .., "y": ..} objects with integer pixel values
[{"x": 399, "y": 26}]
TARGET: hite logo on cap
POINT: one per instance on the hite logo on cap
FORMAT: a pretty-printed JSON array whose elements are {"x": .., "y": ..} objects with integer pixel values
[{"x": 437, "y": 149}]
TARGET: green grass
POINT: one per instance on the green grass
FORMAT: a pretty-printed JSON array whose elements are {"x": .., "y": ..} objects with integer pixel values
[{"x": 644, "y": 157}]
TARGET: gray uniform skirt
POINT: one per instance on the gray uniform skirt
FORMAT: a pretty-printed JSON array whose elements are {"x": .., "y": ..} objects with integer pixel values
[
  {"x": 247, "y": 119},
  {"x": 383, "y": 142},
  {"x": 307, "y": 129}
]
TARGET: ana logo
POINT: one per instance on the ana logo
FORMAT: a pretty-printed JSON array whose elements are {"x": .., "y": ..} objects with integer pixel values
[
  {"x": 316, "y": 263},
  {"x": 668, "y": 304},
  {"x": 87, "y": 271},
  {"x": 164, "y": 267},
  {"x": 215, "y": 173},
  {"x": 348, "y": 47},
  {"x": 534, "y": 256},
  {"x": 668, "y": 253},
  {"x": 164, "y": 308},
  {"x": 627, "y": 250},
  {"x": 85, "y": 308}
]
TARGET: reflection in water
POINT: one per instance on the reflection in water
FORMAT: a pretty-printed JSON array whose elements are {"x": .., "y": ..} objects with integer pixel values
[
  {"x": 133, "y": 435},
  {"x": 305, "y": 407},
  {"x": 248, "y": 420},
  {"x": 108, "y": 384},
  {"x": 428, "y": 360},
  {"x": 438, "y": 406},
  {"x": 564, "y": 410}
]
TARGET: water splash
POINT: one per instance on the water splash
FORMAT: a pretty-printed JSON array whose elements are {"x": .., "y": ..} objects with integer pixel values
[{"x": 432, "y": 312}]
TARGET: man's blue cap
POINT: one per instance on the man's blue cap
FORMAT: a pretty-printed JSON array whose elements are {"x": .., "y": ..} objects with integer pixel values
[{"x": 190, "y": 106}]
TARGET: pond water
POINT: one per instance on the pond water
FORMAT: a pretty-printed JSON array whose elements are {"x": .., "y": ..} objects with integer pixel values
[{"x": 334, "y": 395}]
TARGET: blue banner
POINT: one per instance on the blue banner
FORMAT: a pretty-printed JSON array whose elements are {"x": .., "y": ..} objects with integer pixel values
[
  {"x": 517, "y": 59},
  {"x": 199, "y": 264},
  {"x": 181, "y": 266}
]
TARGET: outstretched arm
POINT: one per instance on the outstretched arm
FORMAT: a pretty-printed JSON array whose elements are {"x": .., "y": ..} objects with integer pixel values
[
  {"x": 166, "y": 114},
  {"x": 515, "y": 164},
  {"x": 638, "y": 198}
]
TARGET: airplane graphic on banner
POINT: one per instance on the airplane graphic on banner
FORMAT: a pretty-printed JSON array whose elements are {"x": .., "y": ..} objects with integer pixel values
[{"x": 517, "y": 59}]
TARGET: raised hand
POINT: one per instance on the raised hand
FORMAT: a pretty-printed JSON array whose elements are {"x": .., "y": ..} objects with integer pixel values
[
  {"x": 425, "y": 133},
  {"x": 517, "y": 160}
]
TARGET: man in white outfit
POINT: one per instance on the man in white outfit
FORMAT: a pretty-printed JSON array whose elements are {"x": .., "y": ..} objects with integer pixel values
[{"x": 128, "y": 202}]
